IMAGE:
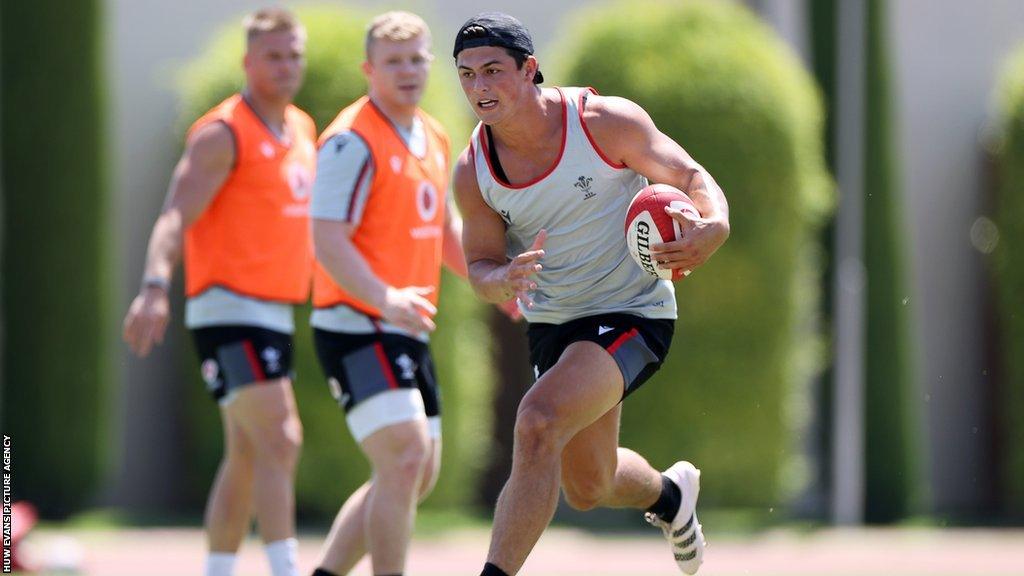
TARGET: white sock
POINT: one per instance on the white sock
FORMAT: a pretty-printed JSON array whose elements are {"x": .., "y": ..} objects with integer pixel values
[
  {"x": 282, "y": 557},
  {"x": 220, "y": 564}
]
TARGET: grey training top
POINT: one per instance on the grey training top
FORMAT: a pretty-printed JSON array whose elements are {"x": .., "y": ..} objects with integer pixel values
[{"x": 582, "y": 203}]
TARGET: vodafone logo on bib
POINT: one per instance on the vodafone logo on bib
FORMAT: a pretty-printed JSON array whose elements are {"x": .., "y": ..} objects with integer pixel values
[
  {"x": 300, "y": 180},
  {"x": 426, "y": 201},
  {"x": 427, "y": 204}
]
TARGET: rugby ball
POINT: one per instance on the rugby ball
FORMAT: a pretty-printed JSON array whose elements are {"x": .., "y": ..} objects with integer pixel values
[{"x": 647, "y": 224}]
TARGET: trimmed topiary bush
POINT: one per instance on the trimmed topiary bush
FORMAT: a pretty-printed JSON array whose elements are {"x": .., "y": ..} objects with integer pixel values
[
  {"x": 332, "y": 466},
  {"x": 733, "y": 390}
]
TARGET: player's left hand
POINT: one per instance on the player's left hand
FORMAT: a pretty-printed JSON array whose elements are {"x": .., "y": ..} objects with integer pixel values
[
  {"x": 700, "y": 239},
  {"x": 146, "y": 322}
]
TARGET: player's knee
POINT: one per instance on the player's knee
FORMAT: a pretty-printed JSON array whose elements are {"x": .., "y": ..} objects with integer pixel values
[
  {"x": 291, "y": 443},
  {"x": 403, "y": 465},
  {"x": 412, "y": 459},
  {"x": 586, "y": 493},
  {"x": 580, "y": 501},
  {"x": 429, "y": 478},
  {"x": 536, "y": 428},
  {"x": 280, "y": 445},
  {"x": 239, "y": 451},
  {"x": 239, "y": 457}
]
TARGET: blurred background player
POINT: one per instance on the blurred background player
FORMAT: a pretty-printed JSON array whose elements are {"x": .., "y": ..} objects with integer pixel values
[
  {"x": 544, "y": 186},
  {"x": 239, "y": 198},
  {"x": 382, "y": 230}
]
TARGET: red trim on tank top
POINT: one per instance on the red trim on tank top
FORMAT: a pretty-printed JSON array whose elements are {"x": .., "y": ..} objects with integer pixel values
[
  {"x": 590, "y": 137},
  {"x": 561, "y": 152}
]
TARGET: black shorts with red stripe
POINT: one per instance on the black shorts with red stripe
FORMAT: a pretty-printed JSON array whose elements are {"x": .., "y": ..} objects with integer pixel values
[
  {"x": 232, "y": 357},
  {"x": 638, "y": 345},
  {"x": 360, "y": 366}
]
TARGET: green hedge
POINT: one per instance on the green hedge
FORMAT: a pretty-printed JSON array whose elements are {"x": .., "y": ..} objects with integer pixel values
[
  {"x": 732, "y": 393},
  {"x": 1007, "y": 260},
  {"x": 55, "y": 321},
  {"x": 332, "y": 465}
]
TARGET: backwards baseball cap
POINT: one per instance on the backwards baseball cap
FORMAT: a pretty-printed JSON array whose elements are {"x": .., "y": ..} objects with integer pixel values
[{"x": 495, "y": 29}]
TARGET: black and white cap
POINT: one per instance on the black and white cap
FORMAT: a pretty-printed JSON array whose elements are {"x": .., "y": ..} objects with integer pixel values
[{"x": 495, "y": 29}]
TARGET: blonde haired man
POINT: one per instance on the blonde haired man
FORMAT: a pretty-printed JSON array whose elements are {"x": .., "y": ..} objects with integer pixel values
[
  {"x": 238, "y": 205},
  {"x": 382, "y": 229}
]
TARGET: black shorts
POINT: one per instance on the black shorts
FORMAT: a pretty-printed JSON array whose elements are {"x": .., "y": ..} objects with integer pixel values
[
  {"x": 638, "y": 345},
  {"x": 360, "y": 366},
  {"x": 235, "y": 356}
]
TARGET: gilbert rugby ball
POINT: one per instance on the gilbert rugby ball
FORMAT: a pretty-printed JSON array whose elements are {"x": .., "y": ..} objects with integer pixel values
[{"x": 647, "y": 224}]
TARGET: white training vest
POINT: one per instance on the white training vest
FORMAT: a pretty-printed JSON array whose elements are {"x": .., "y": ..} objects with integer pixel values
[{"x": 582, "y": 203}]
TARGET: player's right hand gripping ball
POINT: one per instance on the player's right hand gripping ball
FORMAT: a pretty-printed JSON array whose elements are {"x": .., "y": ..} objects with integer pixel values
[{"x": 647, "y": 224}]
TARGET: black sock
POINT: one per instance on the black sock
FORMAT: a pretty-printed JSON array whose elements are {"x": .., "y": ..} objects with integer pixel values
[
  {"x": 668, "y": 503},
  {"x": 492, "y": 570},
  {"x": 322, "y": 572}
]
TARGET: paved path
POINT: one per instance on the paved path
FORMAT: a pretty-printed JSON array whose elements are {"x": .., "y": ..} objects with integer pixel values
[{"x": 888, "y": 552}]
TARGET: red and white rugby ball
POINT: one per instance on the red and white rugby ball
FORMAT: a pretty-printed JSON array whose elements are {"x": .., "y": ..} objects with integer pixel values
[{"x": 647, "y": 224}]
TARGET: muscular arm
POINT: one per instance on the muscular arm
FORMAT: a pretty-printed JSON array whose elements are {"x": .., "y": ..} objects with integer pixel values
[
  {"x": 343, "y": 261},
  {"x": 493, "y": 276},
  {"x": 625, "y": 133},
  {"x": 203, "y": 168}
]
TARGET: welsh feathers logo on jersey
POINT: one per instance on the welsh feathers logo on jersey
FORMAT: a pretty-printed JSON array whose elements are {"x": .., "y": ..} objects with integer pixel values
[
  {"x": 583, "y": 183},
  {"x": 272, "y": 357},
  {"x": 426, "y": 201},
  {"x": 210, "y": 371},
  {"x": 407, "y": 365}
]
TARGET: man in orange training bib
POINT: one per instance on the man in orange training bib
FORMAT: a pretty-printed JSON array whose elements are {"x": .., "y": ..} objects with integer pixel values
[
  {"x": 382, "y": 229},
  {"x": 239, "y": 201}
]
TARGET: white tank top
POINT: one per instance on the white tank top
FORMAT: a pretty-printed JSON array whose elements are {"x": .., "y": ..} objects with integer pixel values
[{"x": 581, "y": 201}]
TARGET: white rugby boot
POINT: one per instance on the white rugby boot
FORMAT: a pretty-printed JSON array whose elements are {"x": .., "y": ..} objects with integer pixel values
[{"x": 684, "y": 534}]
